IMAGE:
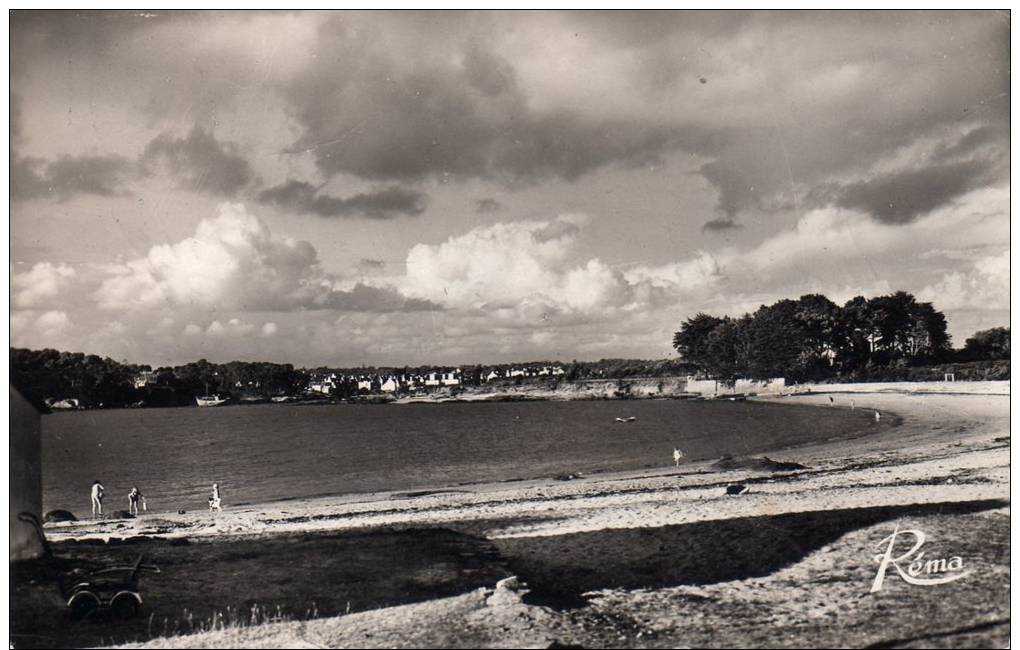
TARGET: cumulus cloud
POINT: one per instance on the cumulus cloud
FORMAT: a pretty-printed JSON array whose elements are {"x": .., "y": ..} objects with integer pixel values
[
  {"x": 872, "y": 136},
  {"x": 532, "y": 274},
  {"x": 53, "y": 322},
  {"x": 983, "y": 287},
  {"x": 233, "y": 262},
  {"x": 234, "y": 327},
  {"x": 199, "y": 162},
  {"x": 41, "y": 286},
  {"x": 526, "y": 269},
  {"x": 299, "y": 196},
  {"x": 34, "y": 328}
]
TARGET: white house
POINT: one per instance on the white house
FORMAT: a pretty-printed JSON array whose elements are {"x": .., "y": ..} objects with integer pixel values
[
  {"x": 390, "y": 385},
  {"x": 145, "y": 378},
  {"x": 451, "y": 378},
  {"x": 443, "y": 378},
  {"x": 323, "y": 385},
  {"x": 548, "y": 371},
  {"x": 493, "y": 374}
]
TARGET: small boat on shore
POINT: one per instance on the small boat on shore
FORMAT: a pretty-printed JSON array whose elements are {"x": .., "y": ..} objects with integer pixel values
[
  {"x": 69, "y": 404},
  {"x": 211, "y": 400}
]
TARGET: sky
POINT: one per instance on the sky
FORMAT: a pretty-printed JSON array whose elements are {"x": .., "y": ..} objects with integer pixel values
[{"x": 403, "y": 188}]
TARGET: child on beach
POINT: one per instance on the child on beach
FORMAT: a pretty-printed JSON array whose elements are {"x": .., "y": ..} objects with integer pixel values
[
  {"x": 97, "y": 498},
  {"x": 214, "y": 500},
  {"x": 134, "y": 496},
  {"x": 677, "y": 456}
]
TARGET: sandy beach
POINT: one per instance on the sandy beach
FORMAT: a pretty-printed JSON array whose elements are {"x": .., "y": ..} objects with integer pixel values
[{"x": 661, "y": 557}]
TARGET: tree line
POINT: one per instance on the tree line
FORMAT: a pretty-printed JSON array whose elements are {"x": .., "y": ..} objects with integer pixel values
[
  {"x": 104, "y": 382},
  {"x": 812, "y": 339}
]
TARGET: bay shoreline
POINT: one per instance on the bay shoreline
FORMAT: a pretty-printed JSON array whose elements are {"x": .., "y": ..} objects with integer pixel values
[{"x": 947, "y": 464}]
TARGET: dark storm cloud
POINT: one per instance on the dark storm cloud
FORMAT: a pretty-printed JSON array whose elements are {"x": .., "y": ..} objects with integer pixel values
[
  {"x": 367, "y": 298},
  {"x": 69, "y": 176},
  {"x": 27, "y": 181},
  {"x": 298, "y": 196},
  {"x": 377, "y": 115},
  {"x": 101, "y": 175},
  {"x": 805, "y": 136},
  {"x": 716, "y": 225},
  {"x": 979, "y": 157},
  {"x": 795, "y": 101},
  {"x": 199, "y": 162},
  {"x": 903, "y": 197},
  {"x": 373, "y": 116},
  {"x": 84, "y": 33}
]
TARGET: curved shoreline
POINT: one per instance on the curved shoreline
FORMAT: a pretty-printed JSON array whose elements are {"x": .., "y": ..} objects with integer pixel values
[
  {"x": 364, "y": 450},
  {"x": 426, "y": 503},
  {"x": 638, "y": 556}
]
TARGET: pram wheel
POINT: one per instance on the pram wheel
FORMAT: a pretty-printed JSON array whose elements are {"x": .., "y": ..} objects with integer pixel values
[
  {"x": 82, "y": 604},
  {"x": 125, "y": 605}
]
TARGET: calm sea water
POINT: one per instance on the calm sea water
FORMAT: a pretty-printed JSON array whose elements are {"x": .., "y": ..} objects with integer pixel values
[{"x": 271, "y": 452}]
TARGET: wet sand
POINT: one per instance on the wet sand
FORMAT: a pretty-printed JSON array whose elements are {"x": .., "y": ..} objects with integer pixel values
[{"x": 655, "y": 558}]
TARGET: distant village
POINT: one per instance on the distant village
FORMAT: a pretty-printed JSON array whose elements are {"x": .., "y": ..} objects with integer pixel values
[
  {"x": 334, "y": 383},
  {"x": 71, "y": 380},
  {"x": 338, "y": 383}
]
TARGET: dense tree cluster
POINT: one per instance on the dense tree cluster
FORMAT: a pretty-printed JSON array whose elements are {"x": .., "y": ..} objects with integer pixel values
[
  {"x": 991, "y": 344},
  {"x": 42, "y": 374},
  {"x": 103, "y": 382},
  {"x": 626, "y": 369},
  {"x": 813, "y": 338}
]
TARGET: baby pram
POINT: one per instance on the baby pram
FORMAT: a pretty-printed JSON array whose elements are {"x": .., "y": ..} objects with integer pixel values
[{"x": 112, "y": 589}]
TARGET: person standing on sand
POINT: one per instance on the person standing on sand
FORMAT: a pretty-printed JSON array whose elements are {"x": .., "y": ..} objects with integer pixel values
[
  {"x": 97, "y": 498},
  {"x": 677, "y": 456},
  {"x": 134, "y": 496},
  {"x": 214, "y": 500}
]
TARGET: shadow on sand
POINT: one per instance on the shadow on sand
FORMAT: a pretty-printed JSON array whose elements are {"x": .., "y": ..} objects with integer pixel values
[
  {"x": 317, "y": 575},
  {"x": 559, "y": 569},
  {"x": 295, "y": 576}
]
